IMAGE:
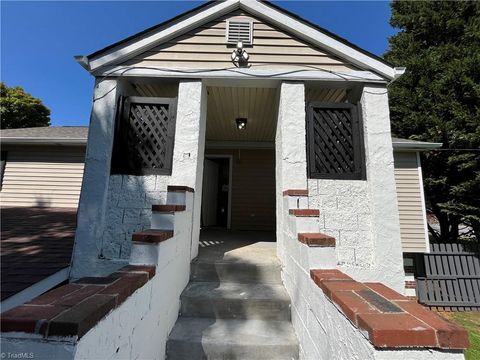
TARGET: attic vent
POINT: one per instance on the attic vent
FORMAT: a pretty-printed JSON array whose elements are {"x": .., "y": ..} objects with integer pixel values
[{"x": 239, "y": 30}]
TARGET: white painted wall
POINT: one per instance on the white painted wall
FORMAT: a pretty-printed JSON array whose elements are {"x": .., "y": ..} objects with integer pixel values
[
  {"x": 325, "y": 333},
  {"x": 189, "y": 148},
  {"x": 93, "y": 198},
  {"x": 113, "y": 207},
  {"x": 290, "y": 150},
  {"x": 139, "y": 327},
  {"x": 361, "y": 214},
  {"x": 387, "y": 266},
  {"x": 129, "y": 209}
]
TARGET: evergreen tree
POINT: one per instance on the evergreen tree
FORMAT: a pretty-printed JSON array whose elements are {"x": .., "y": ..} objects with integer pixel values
[
  {"x": 438, "y": 100},
  {"x": 19, "y": 109}
]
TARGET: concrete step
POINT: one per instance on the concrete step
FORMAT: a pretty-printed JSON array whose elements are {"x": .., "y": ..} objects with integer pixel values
[
  {"x": 203, "y": 338},
  {"x": 242, "y": 272},
  {"x": 237, "y": 301}
]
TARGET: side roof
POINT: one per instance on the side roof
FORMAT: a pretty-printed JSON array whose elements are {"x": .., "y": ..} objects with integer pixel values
[
  {"x": 49, "y": 135},
  {"x": 291, "y": 23},
  {"x": 77, "y": 135},
  {"x": 412, "y": 145}
]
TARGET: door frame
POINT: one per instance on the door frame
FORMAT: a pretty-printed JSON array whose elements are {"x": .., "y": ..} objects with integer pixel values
[{"x": 230, "y": 181}]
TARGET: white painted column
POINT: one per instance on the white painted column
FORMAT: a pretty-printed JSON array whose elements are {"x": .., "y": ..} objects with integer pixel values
[
  {"x": 385, "y": 224},
  {"x": 189, "y": 150},
  {"x": 290, "y": 149},
  {"x": 93, "y": 197}
]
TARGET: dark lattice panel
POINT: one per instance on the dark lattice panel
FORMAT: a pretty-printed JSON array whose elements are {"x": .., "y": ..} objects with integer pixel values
[
  {"x": 334, "y": 141},
  {"x": 146, "y": 133}
]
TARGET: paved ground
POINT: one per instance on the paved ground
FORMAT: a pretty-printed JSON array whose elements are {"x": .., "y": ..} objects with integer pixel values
[
  {"x": 35, "y": 243},
  {"x": 233, "y": 246}
]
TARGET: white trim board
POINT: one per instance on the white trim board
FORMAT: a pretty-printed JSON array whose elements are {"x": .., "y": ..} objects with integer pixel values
[
  {"x": 35, "y": 290},
  {"x": 424, "y": 210},
  {"x": 247, "y": 74},
  {"x": 304, "y": 31}
]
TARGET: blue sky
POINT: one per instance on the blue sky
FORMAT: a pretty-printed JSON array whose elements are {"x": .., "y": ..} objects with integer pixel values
[{"x": 39, "y": 40}]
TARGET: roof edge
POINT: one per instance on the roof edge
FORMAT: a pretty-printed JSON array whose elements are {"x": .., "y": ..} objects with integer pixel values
[
  {"x": 43, "y": 141},
  {"x": 415, "y": 146},
  {"x": 282, "y": 18}
]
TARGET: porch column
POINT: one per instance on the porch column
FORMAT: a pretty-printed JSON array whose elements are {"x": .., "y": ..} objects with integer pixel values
[
  {"x": 290, "y": 148},
  {"x": 189, "y": 150},
  {"x": 385, "y": 224},
  {"x": 93, "y": 197}
]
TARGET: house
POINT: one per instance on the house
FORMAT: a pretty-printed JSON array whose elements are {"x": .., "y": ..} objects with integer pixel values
[
  {"x": 241, "y": 115},
  {"x": 40, "y": 182},
  {"x": 42, "y": 166}
]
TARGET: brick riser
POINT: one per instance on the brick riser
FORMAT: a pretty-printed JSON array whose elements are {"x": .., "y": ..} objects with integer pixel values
[{"x": 305, "y": 223}]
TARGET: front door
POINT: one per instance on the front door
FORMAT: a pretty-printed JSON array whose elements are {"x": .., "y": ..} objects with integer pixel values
[{"x": 210, "y": 193}]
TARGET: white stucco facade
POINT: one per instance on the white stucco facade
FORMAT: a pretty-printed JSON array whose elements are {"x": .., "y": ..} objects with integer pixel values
[
  {"x": 189, "y": 147},
  {"x": 109, "y": 215},
  {"x": 91, "y": 216},
  {"x": 361, "y": 214}
]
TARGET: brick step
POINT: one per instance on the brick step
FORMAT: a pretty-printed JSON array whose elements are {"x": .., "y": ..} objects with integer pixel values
[
  {"x": 316, "y": 239},
  {"x": 177, "y": 195},
  {"x": 204, "y": 338},
  {"x": 168, "y": 208},
  {"x": 152, "y": 236},
  {"x": 235, "y": 301},
  {"x": 304, "y": 212},
  {"x": 295, "y": 199}
]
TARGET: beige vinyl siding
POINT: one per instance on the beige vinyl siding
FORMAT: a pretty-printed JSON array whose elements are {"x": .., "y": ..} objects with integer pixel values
[
  {"x": 47, "y": 176},
  {"x": 205, "y": 48},
  {"x": 253, "y": 188},
  {"x": 410, "y": 202}
]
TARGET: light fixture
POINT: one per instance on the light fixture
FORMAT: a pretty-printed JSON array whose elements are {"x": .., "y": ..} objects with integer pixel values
[
  {"x": 240, "y": 55},
  {"x": 241, "y": 123}
]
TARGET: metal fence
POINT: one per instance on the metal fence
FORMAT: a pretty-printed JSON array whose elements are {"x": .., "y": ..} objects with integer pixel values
[{"x": 449, "y": 278}]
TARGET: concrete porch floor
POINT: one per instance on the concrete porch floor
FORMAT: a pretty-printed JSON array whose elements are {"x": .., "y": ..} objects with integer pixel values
[{"x": 220, "y": 245}]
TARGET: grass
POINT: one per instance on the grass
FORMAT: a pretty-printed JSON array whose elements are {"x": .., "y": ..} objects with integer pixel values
[{"x": 471, "y": 322}]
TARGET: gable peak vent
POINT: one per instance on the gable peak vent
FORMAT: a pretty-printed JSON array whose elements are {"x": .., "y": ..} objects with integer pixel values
[{"x": 239, "y": 31}]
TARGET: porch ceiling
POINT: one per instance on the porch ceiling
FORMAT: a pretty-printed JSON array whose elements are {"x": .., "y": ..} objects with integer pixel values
[
  {"x": 258, "y": 105},
  {"x": 225, "y": 104}
]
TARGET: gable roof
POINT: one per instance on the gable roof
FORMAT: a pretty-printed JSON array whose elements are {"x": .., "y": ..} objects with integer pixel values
[{"x": 291, "y": 23}]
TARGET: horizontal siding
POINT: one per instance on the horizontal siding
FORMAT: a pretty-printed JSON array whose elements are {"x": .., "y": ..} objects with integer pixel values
[
  {"x": 410, "y": 205},
  {"x": 253, "y": 188},
  {"x": 42, "y": 176},
  {"x": 205, "y": 48}
]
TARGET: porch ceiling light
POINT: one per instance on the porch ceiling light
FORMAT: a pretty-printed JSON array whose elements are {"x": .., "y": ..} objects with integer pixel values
[{"x": 241, "y": 123}]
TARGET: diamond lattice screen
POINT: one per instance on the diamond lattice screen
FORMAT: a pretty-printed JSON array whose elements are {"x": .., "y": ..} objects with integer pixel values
[
  {"x": 334, "y": 141},
  {"x": 146, "y": 132}
]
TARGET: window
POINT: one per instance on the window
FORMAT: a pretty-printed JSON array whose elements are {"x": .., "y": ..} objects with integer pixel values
[
  {"x": 144, "y": 136},
  {"x": 3, "y": 163},
  {"x": 334, "y": 142}
]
